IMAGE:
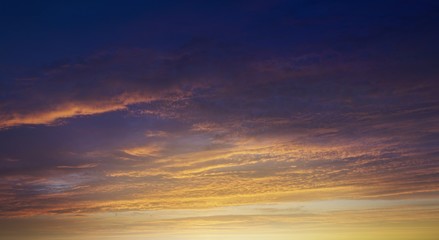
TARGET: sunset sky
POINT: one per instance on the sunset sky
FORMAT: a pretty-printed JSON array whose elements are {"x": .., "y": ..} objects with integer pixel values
[{"x": 215, "y": 120}]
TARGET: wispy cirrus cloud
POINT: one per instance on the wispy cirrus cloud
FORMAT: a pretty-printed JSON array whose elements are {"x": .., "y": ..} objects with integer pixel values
[
  {"x": 187, "y": 128},
  {"x": 290, "y": 119}
]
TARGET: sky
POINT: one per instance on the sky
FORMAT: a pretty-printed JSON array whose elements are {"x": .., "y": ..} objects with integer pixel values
[{"x": 208, "y": 120}]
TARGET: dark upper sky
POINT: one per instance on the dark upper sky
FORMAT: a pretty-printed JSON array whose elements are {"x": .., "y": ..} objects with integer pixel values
[
  {"x": 40, "y": 33},
  {"x": 104, "y": 104}
]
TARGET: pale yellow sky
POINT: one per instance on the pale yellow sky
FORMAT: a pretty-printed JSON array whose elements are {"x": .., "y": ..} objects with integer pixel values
[{"x": 308, "y": 220}]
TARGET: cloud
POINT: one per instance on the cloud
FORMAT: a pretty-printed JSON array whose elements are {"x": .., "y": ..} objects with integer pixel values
[
  {"x": 88, "y": 165},
  {"x": 195, "y": 171},
  {"x": 143, "y": 151},
  {"x": 207, "y": 126}
]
